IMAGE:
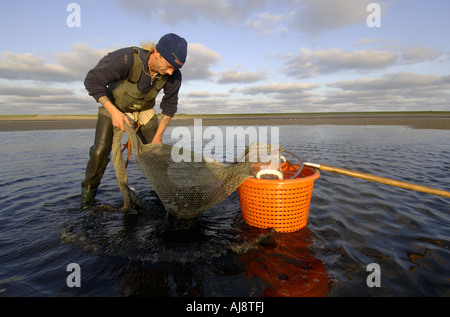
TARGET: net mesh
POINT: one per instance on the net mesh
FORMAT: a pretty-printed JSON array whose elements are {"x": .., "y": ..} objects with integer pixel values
[{"x": 186, "y": 188}]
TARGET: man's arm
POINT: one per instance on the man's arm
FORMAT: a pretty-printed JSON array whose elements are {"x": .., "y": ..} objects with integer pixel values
[
  {"x": 111, "y": 68},
  {"x": 164, "y": 122},
  {"x": 168, "y": 105}
]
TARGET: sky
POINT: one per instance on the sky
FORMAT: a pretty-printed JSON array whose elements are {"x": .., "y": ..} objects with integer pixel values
[{"x": 255, "y": 56}]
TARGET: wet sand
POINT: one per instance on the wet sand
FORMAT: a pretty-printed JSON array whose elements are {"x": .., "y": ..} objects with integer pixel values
[{"x": 417, "y": 120}]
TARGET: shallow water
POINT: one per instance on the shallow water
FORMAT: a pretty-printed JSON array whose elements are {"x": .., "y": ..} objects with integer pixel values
[{"x": 351, "y": 224}]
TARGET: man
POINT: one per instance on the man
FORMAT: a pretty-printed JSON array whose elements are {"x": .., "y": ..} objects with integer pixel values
[{"x": 126, "y": 83}]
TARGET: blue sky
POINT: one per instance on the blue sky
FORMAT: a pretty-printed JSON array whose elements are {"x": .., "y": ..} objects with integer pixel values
[{"x": 257, "y": 56}]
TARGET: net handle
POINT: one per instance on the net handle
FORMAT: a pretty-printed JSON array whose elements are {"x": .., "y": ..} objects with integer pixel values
[
  {"x": 379, "y": 179},
  {"x": 300, "y": 162}
]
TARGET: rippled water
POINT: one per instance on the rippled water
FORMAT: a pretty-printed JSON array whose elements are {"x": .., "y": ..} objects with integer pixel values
[{"x": 351, "y": 224}]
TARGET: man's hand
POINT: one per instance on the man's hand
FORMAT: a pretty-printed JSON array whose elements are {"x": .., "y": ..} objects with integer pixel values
[
  {"x": 117, "y": 116},
  {"x": 157, "y": 141},
  {"x": 119, "y": 119}
]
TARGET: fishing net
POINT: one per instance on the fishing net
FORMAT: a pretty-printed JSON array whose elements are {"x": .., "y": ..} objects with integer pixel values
[{"x": 188, "y": 187}]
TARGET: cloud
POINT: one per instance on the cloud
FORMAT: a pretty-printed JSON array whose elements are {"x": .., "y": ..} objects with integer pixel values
[
  {"x": 199, "y": 62},
  {"x": 40, "y": 100},
  {"x": 31, "y": 77},
  {"x": 408, "y": 54},
  {"x": 309, "y": 63},
  {"x": 276, "y": 88},
  {"x": 281, "y": 97},
  {"x": 394, "y": 91},
  {"x": 29, "y": 66},
  {"x": 313, "y": 63},
  {"x": 66, "y": 67},
  {"x": 412, "y": 55},
  {"x": 400, "y": 91},
  {"x": 173, "y": 12},
  {"x": 81, "y": 59},
  {"x": 317, "y": 16},
  {"x": 268, "y": 24},
  {"x": 396, "y": 81},
  {"x": 198, "y": 94},
  {"x": 7, "y": 90},
  {"x": 228, "y": 103},
  {"x": 233, "y": 76},
  {"x": 309, "y": 16}
]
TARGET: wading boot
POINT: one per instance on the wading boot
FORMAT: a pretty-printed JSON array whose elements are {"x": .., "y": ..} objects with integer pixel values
[
  {"x": 98, "y": 157},
  {"x": 87, "y": 195}
]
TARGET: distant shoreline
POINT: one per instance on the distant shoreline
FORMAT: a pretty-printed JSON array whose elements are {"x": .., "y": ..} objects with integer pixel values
[{"x": 418, "y": 120}]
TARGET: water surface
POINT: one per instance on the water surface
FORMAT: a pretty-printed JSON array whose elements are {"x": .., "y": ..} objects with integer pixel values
[{"x": 352, "y": 223}]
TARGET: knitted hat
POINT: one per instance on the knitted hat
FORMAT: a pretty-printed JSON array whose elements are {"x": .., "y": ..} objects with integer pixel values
[{"x": 173, "y": 48}]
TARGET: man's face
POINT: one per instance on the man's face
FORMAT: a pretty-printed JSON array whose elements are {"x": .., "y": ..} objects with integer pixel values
[{"x": 163, "y": 66}]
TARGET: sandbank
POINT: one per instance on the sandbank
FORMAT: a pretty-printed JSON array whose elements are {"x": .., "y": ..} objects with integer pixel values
[{"x": 417, "y": 120}]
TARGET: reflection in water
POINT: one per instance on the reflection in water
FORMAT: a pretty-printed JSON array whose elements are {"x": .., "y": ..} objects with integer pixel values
[
  {"x": 414, "y": 256},
  {"x": 285, "y": 262}
]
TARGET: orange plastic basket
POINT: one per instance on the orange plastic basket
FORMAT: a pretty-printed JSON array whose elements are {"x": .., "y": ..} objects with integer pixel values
[{"x": 279, "y": 204}]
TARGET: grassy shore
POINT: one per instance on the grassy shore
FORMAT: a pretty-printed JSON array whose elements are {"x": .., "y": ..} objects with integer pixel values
[{"x": 415, "y": 119}]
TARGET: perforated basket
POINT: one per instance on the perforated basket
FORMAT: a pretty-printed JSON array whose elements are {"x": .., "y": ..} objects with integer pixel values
[{"x": 279, "y": 204}]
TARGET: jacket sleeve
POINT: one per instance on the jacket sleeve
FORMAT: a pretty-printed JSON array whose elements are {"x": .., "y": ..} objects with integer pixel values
[
  {"x": 169, "y": 102},
  {"x": 114, "y": 66}
]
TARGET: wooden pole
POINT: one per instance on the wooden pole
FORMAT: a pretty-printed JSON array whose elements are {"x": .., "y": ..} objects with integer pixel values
[{"x": 379, "y": 179}]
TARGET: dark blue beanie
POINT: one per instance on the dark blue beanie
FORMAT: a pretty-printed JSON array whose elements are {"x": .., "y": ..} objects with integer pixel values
[{"x": 173, "y": 48}]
